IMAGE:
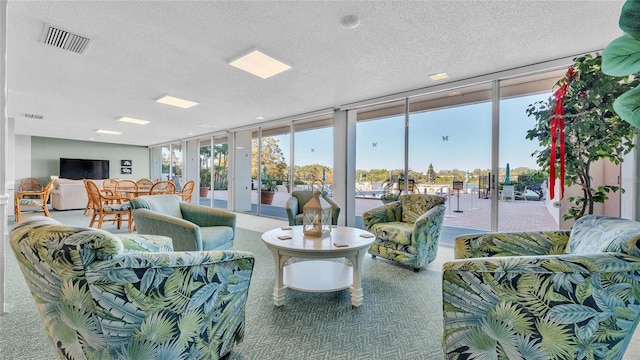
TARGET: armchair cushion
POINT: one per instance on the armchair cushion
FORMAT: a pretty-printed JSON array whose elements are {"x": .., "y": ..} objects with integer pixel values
[
  {"x": 100, "y": 301},
  {"x": 394, "y": 231},
  {"x": 597, "y": 234},
  {"x": 191, "y": 227},
  {"x": 414, "y": 205},
  {"x": 551, "y": 305}
]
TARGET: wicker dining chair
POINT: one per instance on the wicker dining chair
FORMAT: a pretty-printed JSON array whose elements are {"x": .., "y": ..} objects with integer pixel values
[
  {"x": 109, "y": 186},
  {"x": 30, "y": 184},
  {"x": 108, "y": 207},
  {"x": 126, "y": 189},
  {"x": 32, "y": 201},
  {"x": 163, "y": 187},
  {"x": 187, "y": 191},
  {"x": 145, "y": 182}
]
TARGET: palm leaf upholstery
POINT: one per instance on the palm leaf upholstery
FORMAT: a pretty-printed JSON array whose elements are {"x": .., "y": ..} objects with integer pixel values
[
  {"x": 407, "y": 230},
  {"x": 544, "y": 295},
  {"x": 102, "y": 296}
]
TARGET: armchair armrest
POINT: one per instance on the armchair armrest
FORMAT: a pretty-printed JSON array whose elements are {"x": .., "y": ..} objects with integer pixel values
[
  {"x": 292, "y": 209},
  {"x": 206, "y": 216},
  {"x": 554, "y": 306},
  {"x": 197, "y": 298},
  {"x": 184, "y": 233},
  {"x": 531, "y": 243},
  {"x": 335, "y": 210},
  {"x": 385, "y": 213},
  {"x": 426, "y": 229}
]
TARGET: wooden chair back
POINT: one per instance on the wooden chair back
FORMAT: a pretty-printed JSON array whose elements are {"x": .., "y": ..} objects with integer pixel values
[
  {"x": 30, "y": 184},
  {"x": 163, "y": 187},
  {"x": 187, "y": 190}
]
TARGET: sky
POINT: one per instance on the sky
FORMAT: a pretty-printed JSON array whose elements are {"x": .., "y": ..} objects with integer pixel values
[{"x": 452, "y": 138}]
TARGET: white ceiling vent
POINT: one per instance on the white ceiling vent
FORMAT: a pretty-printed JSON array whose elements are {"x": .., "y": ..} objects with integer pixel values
[{"x": 64, "y": 39}]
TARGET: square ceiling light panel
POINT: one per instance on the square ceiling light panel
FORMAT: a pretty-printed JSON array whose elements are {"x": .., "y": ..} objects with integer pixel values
[
  {"x": 177, "y": 102},
  {"x": 260, "y": 64}
]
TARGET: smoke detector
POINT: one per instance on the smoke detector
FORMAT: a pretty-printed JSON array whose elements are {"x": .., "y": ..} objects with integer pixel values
[
  {"x": 350, "y": 22},
  {"x": 63, "y": 39}
]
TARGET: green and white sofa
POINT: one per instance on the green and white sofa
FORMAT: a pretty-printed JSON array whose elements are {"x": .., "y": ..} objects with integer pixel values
[
  {"x": 408, "y": 230},
  {"x": 106, "y": 296},
  {"x": 544, "y": 295},
  {"x": 190, "y": 226}
]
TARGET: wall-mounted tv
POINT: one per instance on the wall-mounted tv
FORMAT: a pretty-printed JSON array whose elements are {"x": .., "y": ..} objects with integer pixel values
[{"x": 84, "y": 169}]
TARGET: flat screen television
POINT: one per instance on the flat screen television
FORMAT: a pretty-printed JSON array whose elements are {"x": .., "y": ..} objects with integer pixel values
[{"x": 84, "y": 169}]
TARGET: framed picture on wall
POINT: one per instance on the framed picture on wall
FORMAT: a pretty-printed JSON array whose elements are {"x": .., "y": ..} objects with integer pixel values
[
  {"x": 126, "y": 163},
  {"x": 125, "y": 171}
]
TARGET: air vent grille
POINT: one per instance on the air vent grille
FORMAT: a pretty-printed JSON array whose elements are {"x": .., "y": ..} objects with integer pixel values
[
  {"x": 64, "y": 39},
  {"x": 34, "y": 116}
]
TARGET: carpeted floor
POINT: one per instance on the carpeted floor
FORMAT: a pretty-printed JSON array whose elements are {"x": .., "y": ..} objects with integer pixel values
[{"x": 400, "y": 318}]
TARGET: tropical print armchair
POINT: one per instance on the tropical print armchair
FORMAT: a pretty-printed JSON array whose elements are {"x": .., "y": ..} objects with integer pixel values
[
  {"x": 544, "y": 295},
  {"x": 407, "y": 231},
  {"x": 102, "y": 296}
]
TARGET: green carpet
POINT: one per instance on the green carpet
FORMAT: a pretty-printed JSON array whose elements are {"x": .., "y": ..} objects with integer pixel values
[{"x": 400, "y": 317}]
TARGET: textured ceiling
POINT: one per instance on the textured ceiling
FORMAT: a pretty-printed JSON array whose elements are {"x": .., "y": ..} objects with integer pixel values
[{"x": 142, "y": 50}]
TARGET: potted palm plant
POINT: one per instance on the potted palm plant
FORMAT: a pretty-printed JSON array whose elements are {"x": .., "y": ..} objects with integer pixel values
[
  {"x": 268, "y": 191},
  {"x": 205, "y": 182}
]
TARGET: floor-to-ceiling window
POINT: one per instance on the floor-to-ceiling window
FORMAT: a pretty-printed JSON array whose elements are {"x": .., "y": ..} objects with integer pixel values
[
  {"x": 273, "y": 170},
  {"x": 380, "y": 139},
  {"x": 220, "y": 172},
  {"x": 522, "y": 185},
  {"x": 206, "y": 159},
  {"x": 313, "y": 154},
  {"x": 450, "y": 152}
]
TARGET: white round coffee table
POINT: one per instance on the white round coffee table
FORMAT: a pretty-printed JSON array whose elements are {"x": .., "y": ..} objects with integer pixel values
[{"x": 318, "y": 275}]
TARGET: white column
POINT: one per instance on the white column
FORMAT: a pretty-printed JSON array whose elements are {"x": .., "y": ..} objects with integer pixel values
[
  {"x": 344, "y": 165},
  {"x": 241, "y": 170},
  {"x": 3, "y": 148}
]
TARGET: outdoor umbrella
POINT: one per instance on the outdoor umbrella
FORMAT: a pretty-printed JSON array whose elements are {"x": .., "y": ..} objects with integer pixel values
[{"x": 507, "y": 179}]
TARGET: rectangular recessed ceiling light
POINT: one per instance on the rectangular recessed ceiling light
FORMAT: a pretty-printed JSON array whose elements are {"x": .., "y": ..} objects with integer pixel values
[
  {"x": 133, "y": 121},
  {"x": 260, "y": 64},
  {"x": 110, "y": 132},
  {"x": 177, "y": 102},
  {"x": 439, "y": 76}
]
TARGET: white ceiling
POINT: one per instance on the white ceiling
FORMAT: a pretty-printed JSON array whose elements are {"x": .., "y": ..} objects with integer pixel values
[{"x": 142, "y": 50}]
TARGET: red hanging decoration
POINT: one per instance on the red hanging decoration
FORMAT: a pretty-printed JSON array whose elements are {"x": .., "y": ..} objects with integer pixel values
[{"x": 557, "y": 126}]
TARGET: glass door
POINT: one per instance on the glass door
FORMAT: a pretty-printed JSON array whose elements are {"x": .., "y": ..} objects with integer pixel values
[
  {"x": 450, "y": 155},
  {"x": 522, "y": 185},
  {"x": 220, "y": 172}
]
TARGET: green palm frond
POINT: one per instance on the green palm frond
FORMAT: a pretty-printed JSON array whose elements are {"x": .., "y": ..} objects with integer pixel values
[
  {"x": 157, "y": 328},
  {"x": 510, "y": 313},
  {"x": 71, "y": 293},
  {"x": 557, "y": 340},
  {"x": 118, "y": 308},
  {"x": 535, "y": 293},
  {"x": 177, "y": 291},
  {"x": 141, "y": 349},
  {"x": 504, "y": 335},
  {"x": 530, "y": 348},
  {"x": 481, "y": 345},
  {"x": 84, "y": 323},
  {"x": 189, "y": 325}
]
